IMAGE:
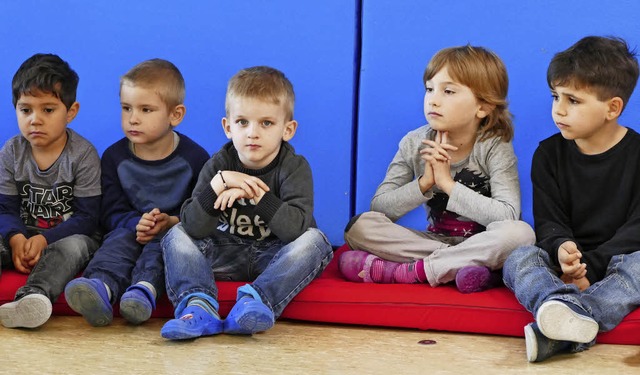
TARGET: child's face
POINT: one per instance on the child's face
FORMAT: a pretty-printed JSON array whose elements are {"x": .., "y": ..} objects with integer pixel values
[
  {"x": 43, "y": 120},
  {"x": 450, "y": 106},
  {"x": 578, "y": 113},
  {"x": 146, "y": 120},
  {"x": 257, "y": 128}
]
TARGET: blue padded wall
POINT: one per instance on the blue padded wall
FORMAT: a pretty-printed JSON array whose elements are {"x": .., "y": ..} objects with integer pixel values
[
  {"x": 312, "y": 43},
  {"x": 399, "y": 38}
]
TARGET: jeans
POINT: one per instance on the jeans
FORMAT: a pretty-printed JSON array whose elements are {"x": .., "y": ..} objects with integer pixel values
[
  {"x": 121, "y": 261},
  {"x": 279, "y": 270},
  {"x": 59, "y": 263},
  {"x": 533, "y": 277}
]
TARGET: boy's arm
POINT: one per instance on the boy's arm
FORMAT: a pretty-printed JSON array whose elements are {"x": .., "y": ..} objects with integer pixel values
[
  {"x": 626, "y": 240},
  {"x": 291, "y": 214},
  {"x": 117, "y": 211},
  {"x": 552, "y": 224},
  {"x": 400, "y": 192},
  {"x": 504, "y": 202},
  {"x": 198, "y": 216},
  {"x": 10, "y": 222}
]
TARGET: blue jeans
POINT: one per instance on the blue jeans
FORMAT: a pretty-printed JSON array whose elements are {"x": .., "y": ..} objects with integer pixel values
[
  {"x": 59, "y": 263},
  {"x": 121, "y": 261},
  {"x": 533, "y": 277},
  {"x": 279, "y": 270}
]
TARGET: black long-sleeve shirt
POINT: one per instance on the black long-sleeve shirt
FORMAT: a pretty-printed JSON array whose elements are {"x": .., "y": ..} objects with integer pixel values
[{"x": 593, "y": 200}]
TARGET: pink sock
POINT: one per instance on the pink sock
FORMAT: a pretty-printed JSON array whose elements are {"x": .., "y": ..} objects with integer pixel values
[
  {"x": 377, "y": 270},
  {"x": 409, "y": 273}
]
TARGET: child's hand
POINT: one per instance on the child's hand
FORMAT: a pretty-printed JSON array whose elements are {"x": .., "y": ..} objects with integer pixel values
[
  {"x": 228, "y": 197},
  {"x": 426, "y": 181},
  {"x": 249, "y": 184},
  {"x": 569, "y": 259},
  {"x": 17, "y": 243},
  {"x": 33, "y": 249},
  {"x": 437, "y": 154},
  {"x": 582, "y": 283},
  {"x": 153, "y": 223}
]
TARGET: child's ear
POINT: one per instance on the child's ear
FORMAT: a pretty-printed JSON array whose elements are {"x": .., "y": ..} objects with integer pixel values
[
  {"x": 484, "y": 110},
  {"x": 72, "y": 112},
  {"x": 615, "y": 108},
  {"x": 289, "y": 130},
  {"x": 177, "y": 114},
  {"x": 226, "y": 127}
]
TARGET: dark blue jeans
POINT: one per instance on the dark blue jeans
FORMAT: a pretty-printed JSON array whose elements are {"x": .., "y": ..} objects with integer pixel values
[
  {"x": 60, "y": 262},
  {"x": 121, "y": 262},
  {"x": 279, "y": 270}
]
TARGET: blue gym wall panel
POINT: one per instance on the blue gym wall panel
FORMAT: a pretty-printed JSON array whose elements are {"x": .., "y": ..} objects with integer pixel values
[
  {"x": 399, "y": 38},
  {"x": 313, "y": 43}
]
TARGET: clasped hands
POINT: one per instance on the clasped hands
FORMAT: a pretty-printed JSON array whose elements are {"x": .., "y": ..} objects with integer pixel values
[
  {"x": 437, "y": 167},
  {"x": 238, "y": 186},
  {"x": 573, "y": 272},
  {"x": 26, "y": 252}
]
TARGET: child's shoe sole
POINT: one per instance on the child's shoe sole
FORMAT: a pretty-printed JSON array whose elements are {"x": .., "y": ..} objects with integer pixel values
[
  {"x": 136, "y": 304},
  {"x": 247, "y": 317},
  {"x": 558, "y": 321},
  {"x": 31, "y": 311},
  {"x": 84, "y": 299}
]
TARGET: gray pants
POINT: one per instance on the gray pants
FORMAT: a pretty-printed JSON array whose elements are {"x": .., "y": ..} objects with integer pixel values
[
  {"x": 60, "y": 262},
  {"x": 443, "y": 256}
]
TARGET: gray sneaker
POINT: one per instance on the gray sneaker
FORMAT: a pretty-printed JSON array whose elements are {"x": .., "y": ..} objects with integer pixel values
[
  {"x": 565, "y": 321},
  {"x": 30, "y": 311}
]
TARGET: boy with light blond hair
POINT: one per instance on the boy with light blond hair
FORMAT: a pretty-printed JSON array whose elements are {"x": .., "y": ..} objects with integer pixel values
[
  {"x": 146, "y": 176},
  {"x": 250, "y": 218}
]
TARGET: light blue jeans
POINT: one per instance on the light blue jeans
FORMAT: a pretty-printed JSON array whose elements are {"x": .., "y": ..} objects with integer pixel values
[
  {"x": 533, "y": 277},
  {"x": 279, "y": 270}
]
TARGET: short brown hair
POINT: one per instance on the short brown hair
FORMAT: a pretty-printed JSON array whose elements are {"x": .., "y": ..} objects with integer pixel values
[
  {"x": 604, "y": 65},
  {"x": 264, "y": 83},
  {"x": 163, "y": 76},
  {"x": 485, "y": 74}
]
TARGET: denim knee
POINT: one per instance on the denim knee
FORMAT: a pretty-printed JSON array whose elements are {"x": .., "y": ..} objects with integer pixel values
[{"x": 516, "y": 260}]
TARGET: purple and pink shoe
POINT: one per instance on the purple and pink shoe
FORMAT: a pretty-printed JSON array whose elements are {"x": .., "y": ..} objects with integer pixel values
[
  {"x": 356, "y": 266},
  {"x": 473, "y": 279}
]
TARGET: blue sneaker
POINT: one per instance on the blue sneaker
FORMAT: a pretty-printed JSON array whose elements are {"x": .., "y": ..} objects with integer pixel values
[
  {"x": 194, "y": 322},
  {"x": 247, "y": 317},
  {"x": 540, "y": 347},
  {"x": 89, "y": 298},
  {"x": 137, "y": 303},
  {"x": 565, "y": 321}
]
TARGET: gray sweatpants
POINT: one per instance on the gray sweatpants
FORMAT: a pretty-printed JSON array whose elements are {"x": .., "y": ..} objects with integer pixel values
[{"x": 443, "y": 256}]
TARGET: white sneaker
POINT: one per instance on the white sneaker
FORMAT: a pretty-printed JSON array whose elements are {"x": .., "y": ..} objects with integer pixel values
[
  {"x": 30, "y": 311},
  {"x": 566, "y": 322}
]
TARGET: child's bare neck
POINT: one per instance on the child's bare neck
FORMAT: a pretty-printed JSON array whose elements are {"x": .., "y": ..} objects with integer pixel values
[
  {"x": 603, "y": 140},
  {"x": 464, "y": 142},
  {"x": 157, "y": 150},
  {"x": 45, "y": 157}
]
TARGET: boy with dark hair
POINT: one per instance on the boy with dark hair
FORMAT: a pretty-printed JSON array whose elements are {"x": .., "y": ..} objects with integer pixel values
[
  {"x": 250, "y": 217},
  {"x": 146, "y": 176},
  {"x": 584, "y": 274},
  {"x": 49, "y": 190}
]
